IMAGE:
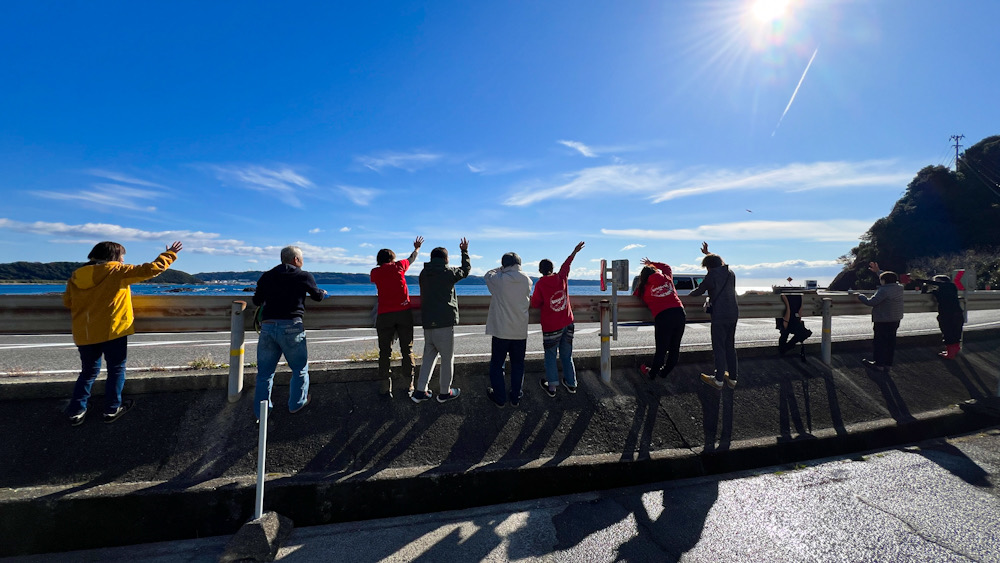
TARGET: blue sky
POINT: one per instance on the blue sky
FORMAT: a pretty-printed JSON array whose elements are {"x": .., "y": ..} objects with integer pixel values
[{"x": 777, "y": 134}]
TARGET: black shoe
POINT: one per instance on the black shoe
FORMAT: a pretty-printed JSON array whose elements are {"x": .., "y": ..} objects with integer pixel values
[
  {"x": 514, "y": 401},
  {"x": 551, "y": 392},
  {"x": 77, "y": 419},
  {"x": 452, "y": 393},
  {"x": 124, "y": 408},
  {"x": 570, "y": 388},
  {"x": 877, "y": 367},
  {"x": 493, "y": 398}
]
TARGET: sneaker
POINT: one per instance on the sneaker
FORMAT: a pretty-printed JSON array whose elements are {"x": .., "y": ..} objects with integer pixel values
[
  {"x": 77, "y": 419},
  {"x": 644, "y": 370},
  {"x": 549, "y": 390},
  {"x": 419, "y": 396},
  {"x": 122, "y": 409},
  {"x": 569, "y": 388},
  {"x": 493, "y": 398},
  {"x": 730, "y": 381},
  {"x": 452, "y": 393},
  {"x": 712, "y": 382},
  {"x": 304, "y": 405},
  {"x": 514, "y": 401}
]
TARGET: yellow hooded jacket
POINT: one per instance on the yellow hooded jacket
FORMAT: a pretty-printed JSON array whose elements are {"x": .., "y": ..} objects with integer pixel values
[{"x": 100, "y": 300}]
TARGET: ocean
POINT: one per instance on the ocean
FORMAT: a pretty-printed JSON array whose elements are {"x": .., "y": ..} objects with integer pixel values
[{"x": 332, "y": 289}]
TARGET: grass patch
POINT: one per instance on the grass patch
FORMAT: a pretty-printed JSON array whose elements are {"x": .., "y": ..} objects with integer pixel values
[
  {"x": 371, "y": 355},
  {"x": 206, "y": 362}
]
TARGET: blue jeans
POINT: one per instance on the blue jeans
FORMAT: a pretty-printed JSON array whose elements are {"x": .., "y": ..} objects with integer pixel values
[
  {"x": 501, "y": 347},
  {"x": 114, "y": 352},
  {"x": 560, "y": 341},
  {"x": 279, "y": 337}
]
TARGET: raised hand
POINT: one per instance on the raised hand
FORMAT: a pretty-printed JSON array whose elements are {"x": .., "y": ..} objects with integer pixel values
[
  {"x": 578, "y": 248},
  {"x": 417, "y": 242},
  {"x": 704, "y": 247},
  {"x": 464, "y": 245},
  {"x": 176, "y": 246},
  {"x": 873, "y": 266},
  {"x": 646, "y": 262}
]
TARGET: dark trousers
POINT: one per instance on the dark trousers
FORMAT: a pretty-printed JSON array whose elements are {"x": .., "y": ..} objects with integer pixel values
[
  {"x": 388, "y": 326},
  {"x": 500, "y": 349},
  {"x": 884, "y": 344},
  {"x": 114, "y": 353},
  {"x": 668, "y": 328},
  {"x": 951, "y": 326}
]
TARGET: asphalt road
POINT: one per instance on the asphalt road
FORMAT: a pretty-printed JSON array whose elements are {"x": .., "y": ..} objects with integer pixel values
[
  {"x": 936, "y": 501},
  {"x": 55, "y": 354}
]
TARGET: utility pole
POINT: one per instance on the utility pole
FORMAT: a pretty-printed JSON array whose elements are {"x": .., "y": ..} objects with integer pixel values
[{"x": 956, "y": 138}]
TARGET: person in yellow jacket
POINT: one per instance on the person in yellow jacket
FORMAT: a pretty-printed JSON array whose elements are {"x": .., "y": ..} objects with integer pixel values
[{"x": 100, "y": 302}]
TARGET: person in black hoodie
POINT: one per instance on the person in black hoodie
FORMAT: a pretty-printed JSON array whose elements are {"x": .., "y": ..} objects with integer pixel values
[
  {"x": 950, "y": 315},
  {"x": 720, "y": 284},
  {"x": 282, "y": 291},
  {"x": 439, "y": 315}
]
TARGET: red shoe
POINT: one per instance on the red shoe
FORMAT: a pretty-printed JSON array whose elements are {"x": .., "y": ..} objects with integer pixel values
[{"x": 644, "y": 370}]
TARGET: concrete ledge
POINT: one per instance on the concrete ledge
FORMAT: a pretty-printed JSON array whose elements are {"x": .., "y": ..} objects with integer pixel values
[{"x": 142, "y": 382}]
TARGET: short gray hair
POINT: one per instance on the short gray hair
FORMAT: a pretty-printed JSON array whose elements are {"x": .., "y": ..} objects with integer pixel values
[{"x": 290, "y": 253}]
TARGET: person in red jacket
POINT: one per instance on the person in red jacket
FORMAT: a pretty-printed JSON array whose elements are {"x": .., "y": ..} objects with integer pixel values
[
  {"x": 656, "y": 289},
  {"x": 551, "y": 295},
  {"x": 395, "y": 319}
]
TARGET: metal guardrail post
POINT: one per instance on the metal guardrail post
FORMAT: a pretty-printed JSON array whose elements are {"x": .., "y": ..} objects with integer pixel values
[
  {"x": 605, "y": 307},
  {"x": 258, "y": 506},
  {"x": 827, "y": 331},
  {"x": 236, "y": 339}
]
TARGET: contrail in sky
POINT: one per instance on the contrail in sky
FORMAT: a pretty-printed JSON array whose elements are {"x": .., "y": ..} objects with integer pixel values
[{"x": 795, "y": 92}]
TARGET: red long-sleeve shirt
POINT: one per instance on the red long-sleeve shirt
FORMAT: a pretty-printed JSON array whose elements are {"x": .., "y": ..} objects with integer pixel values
[
  {"x": 659, "y": 293},
  {"x": 551, "y": 295}
]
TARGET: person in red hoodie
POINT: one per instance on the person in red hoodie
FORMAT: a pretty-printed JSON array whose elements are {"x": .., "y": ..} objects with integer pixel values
[
  {"x": 551, "y": 295},
  {"x": 395, "y": 319},
  {"x": 656, "y": 289}
]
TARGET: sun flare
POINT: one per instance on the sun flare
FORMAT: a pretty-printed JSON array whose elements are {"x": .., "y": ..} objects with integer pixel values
[{"x": 769, "y": 10}]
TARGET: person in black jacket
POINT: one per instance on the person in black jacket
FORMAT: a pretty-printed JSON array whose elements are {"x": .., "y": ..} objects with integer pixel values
[
  {"x": 950, "y": 315},
  {"x": 281, "y": 291},
  {"x": 439, "y": 315}
]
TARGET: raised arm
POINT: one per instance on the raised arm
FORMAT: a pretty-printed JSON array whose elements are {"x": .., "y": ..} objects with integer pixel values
[
  {"x": 463, "y": 272},
  {"x": 142, "y": 272},
  {"x": 417, "y": 242},
  {"x": 564, "y": 269}
]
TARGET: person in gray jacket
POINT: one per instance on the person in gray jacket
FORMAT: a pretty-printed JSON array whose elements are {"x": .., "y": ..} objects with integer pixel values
[
  {"x": 887, "y": 311},
  {"x": 720, "y": 284},
  {"x": 439, "y": 315},
  {"x": 507, "y": 323}
]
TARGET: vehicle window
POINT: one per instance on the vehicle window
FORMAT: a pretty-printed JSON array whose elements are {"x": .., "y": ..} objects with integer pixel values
[
  {"x": 698, "y": 280},
  {"x": 683, "y": 283}
]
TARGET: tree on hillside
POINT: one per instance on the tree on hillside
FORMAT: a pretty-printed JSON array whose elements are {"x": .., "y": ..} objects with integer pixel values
[{"x": 941, "y": 214}]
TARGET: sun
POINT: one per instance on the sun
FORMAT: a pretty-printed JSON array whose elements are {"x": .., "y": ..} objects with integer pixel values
[{"x": 769, "y": 10}]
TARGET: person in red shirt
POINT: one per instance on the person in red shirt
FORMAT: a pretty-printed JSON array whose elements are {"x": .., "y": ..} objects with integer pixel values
[
  {"x": 395, "y": 319},
  {"x": 551, "y": 295},
  {"x": 656, "y": 289}
]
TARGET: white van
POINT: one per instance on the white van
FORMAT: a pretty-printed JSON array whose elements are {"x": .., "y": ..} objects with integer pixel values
[{"x": 684, "y": 283}]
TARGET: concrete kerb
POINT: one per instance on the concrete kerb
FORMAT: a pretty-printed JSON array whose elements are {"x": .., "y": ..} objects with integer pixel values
[{"x": 141, "y": 382}]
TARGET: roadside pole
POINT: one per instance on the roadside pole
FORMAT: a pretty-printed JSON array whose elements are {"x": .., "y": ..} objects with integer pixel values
[
  {"x": 236, "y": 351},
  {"x": 827, "y": 331},
  {"x": 258, "y": 506},
  {"x": 605, "y": 307}
]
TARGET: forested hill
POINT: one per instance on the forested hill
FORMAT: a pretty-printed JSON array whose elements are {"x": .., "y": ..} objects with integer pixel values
[
  {"x": 41, "y": 272},
  {"x": 944, "y": 221}
]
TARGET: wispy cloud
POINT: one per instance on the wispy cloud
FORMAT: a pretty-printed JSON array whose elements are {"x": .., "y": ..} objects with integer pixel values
[
  {"x": 108, "y": 196},
  {"x": 579, "y": 147},
  {"x": 651, "y": 180},
  {"x": 366, "y": 245},
  {"x": 310, "y": 252},
  {"x": 315, "y": 231},
  {"x": 795, "y": 92},
  {"x": 409, "y": 161},
  {"x": 282, "y": 182},
  {"x": 632, "y": 246},
  {"x": 122, "y": 178},
  {"x": 494, "y": 167},
  {"x": 360, "y": 196},
  {"x": 834, "y": 230},
  {"x": 93, "y": 232},
  {"x": 345, "y": 229},
  {"x": 600, "y": 180}
]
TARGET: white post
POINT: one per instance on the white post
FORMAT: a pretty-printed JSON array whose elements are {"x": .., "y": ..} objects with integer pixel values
[
  {"x": 605, "y": 307},
  {"x": 236, "y": 339},
  {"x": 827, "y": 332},
  {"x": 258, "y": 506}
]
